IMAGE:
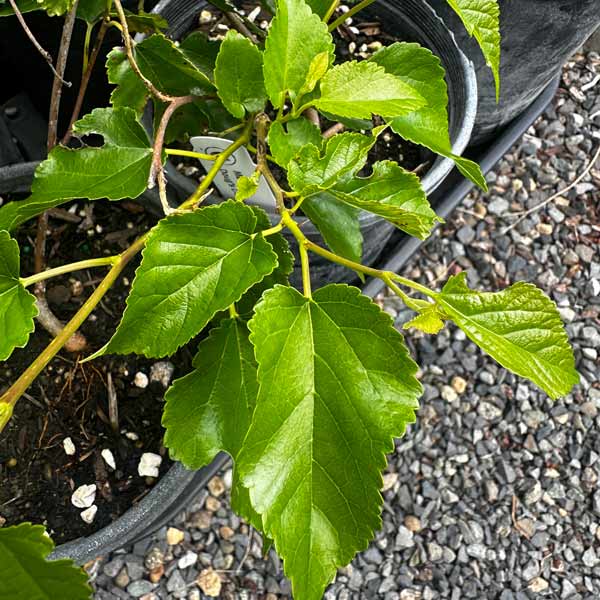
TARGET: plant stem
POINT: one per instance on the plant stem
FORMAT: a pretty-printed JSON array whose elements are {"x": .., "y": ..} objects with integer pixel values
[
  {"x": 262, "y": 128},
  {"x": 219, "y": 162},
  {"x": 267, "y": 232},
  {"x": 190, "y": 154},
  {"x": 157, "y": 173},
  {"x": 45, "y": 316},
  {"x": 85, "y": 80},
  {"x": 131, "y": 58},
  {"x": 76, "y": 266},
  {"x": 37, "y": 45},
  {"x": 356, "y": 8},
  {"x": 233, "y": 313},
  {"x": 12, "y": 395},
  {"x": 332, "y": 8}
]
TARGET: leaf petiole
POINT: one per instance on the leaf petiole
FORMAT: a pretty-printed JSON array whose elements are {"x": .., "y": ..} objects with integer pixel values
[
  {"x": 76, "y": 266},
  {"x": 356, "y": 8},
  {"x": 190, "y": 154}
]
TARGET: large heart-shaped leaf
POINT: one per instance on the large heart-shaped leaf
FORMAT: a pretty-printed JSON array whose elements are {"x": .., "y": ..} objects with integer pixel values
[
  {"x": 194, "y": 265},
  {"x": 17, "y": 305},
  {"x": 118, "y": 169},
  {"x": 25, "y": 574},
  {"x": 520, "y": 327},
  {"x": 336, "y": 385}
]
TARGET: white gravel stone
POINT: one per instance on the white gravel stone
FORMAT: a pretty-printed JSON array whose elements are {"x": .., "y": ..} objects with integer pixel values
[
  {"x": 109, "y": 458},
  {"x": 162, "y": 372},
  {"x": 149, "y": 465},
  {"x": 69, "y": 446},
  {"x": 84, "y": 496},
  {"x": 89, "y": 514},
  {"x": 140, "y": 380},
  {"x": 187, "y": 560}
]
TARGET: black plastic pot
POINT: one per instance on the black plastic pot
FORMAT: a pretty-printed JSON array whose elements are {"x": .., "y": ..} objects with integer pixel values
[
  {"x": 409, "y": 20},
  {"x": 538, "y": 36},
  {"x": 172, "y": 494}
]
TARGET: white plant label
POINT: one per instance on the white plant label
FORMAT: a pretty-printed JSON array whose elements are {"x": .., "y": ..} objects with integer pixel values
[{"x": 238, "y": 164}]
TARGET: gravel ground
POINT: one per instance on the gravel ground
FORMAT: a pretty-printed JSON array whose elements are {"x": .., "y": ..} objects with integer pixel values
[{"x": 494, "y": 492}]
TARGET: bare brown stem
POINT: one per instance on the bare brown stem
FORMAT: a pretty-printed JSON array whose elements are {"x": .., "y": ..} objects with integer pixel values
[
  {"x": 46, "y": 317},
  {"x": 333, "y": 130},
  {"x": 113, "y": 405},
  {"x": 85, "y": 80},
  {"x": 239, "y": 24},
  {"x": 262, "y": 128},
  {"x": 131, "y": 58},
  {"x": 37, "y": 45},
  {"x": 157, "y": 174}
]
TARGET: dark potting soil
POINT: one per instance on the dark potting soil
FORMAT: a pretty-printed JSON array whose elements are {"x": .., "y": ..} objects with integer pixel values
[
  {"x": 356, "y": 41},
  {"x": 70, "y": 399}
]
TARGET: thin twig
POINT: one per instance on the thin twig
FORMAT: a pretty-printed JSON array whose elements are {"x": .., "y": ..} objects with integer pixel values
[
  {"x": 558, "y": 194},
  {"x": 157, "y": 173},
  {"x": 333, "y": 130},
  {"x": 46, "y": 317},
  {"x": 47, "y": 56},
  {"x": 313, "y": 116},
  {"x": 239, "y": 24},
  {"x": 85, "y": 80},
  {"x": 113, "y": 406},
  {"x": 131, "y": 58}
]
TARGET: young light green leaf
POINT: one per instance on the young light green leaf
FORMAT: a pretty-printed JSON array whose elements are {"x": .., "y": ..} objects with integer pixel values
[
  {"x": 118, "y": 169},
  {"x": 361, "y": 89},
  {"x": 247, "y": 186},
  {"x": 338, "y": 224},
  {"x": 209, "y": 410},
  {"x": 169, "y": 69},
  {"x": 519, "y": 327},
  {"x": 313, "y": 456},
  {"x": 394, "y": 194},
  {"x": 56, "y": 8},
  {"x": 429, "y": 320},
  {"x": 481, "y": 19},
  {"x": 296, "y": 37},
  {"x": 285, "y": 145},
  {"x": 130, "y": 91},
  {"x": 194, "y": 265},
  {"x": 27, "y": 575},
  {"x": 428, "y": 126},
  {"x": 238, "y": 75},
  {"x": 17, "y": 305},
  {"x": 318, "y": 68},
  {"x": 345, "y": 154}
]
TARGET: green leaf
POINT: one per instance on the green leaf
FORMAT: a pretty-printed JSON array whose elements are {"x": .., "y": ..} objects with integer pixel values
[
  {"x": 429, "y": 320},
  {"x": 142, "y": 22},
  {"x": 481, "y": 19},
  {"x": 319, "y": 7},
  {"x": 56, "y": 8},
  {"x": 27, "y": 575},
  {"x": 360, "y": 89},
  {"x": 394, "y": 194},
  {"x": 209, "y": 410},
  {"x": 247, "y": 186},
  {"x": 312, "y": 171},
  {"x": 201, "y": 51},
  {"x": 336, "y": 385},
  {"x": 280, "y": 275},
  {"x": 169, "y": 69},
  {"x": 91, "y": 11},
  {"x": 130, "y": 91},
  {"x": 17, "y": 305},
  {"x": 25, "y": 6},
  {"x": 427, "y": 126},
  {"x": 338, "y": 224},
  {"x": 519, "y": 327},
  {"x": 194, "y": 265},
  {"x": 238, "y": 75},
  {"x": 285, "y": 145},
  {"x": 296, "y": 37},
  {"x": 118, "y": 169}
]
